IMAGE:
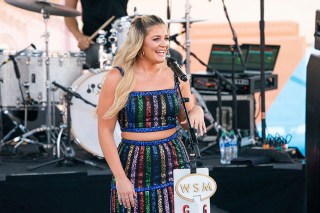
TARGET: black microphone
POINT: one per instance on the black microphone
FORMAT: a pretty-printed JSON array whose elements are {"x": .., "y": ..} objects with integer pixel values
[
  {"x": 17, "y": 54},
  {"x": 174, "y": 36},
  {"x": 175, "y": 67}
]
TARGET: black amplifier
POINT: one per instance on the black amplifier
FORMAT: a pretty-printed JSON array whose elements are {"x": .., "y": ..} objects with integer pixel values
[{"x": 209, "y": 82}]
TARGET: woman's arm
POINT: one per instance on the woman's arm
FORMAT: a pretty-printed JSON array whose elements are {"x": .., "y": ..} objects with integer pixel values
[
  {"x": 106, "y": 129},
  {"x": 195, "y": 112},
  {"x": 73, "y": 26}
]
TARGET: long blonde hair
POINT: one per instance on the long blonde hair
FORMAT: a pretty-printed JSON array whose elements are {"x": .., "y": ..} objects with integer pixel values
[{"x": 126, "y": 59}]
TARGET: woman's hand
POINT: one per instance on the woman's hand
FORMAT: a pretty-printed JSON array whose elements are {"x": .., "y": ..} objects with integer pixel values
[
  {"x": 196, "y": 117},
  {"x": 126, "y": 193}
]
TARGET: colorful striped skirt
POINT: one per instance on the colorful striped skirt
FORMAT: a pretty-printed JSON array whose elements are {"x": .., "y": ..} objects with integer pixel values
[{"x": 149, "y": 165}]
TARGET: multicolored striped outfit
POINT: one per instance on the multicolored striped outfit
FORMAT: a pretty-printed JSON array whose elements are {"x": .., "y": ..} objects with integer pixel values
[{"x": 150, "y": 164}]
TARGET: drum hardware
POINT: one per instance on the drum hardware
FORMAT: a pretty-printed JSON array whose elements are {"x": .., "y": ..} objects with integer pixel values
[
  {"x": 46, "y": 9},
  {"x": 113, "y": 41},
  {"x": 21, "y": 139},
  {"x": 187, "y": 29},
  {"x": 135, "y": 13},
  {"x": 17, "y": 126},
  {"x": 69, "y": 154},
  {"x": 105, "y": 59},
  {"x": 186, "y": 21},
  {"x": 27, "y": 136},
  {"x": 101, "y": 40},
  {"x": 17, "y": 54}
]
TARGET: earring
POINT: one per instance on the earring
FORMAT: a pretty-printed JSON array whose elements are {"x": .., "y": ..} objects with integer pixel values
[{"x": 141, "y": 52}]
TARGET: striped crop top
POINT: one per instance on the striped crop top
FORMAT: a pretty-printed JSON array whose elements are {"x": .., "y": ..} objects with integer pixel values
[{"x": 149, "y": 111}]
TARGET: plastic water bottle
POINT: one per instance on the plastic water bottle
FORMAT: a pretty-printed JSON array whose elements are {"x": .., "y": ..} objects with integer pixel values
[
  {"x": 233, "y": 145},
  {"x": 223, "y": 143},
  {"x": 228, "y": 149}
]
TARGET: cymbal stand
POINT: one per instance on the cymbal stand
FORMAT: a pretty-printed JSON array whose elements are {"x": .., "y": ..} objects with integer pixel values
[
  {"x": 48, "y": 126},
  {"x": 48, "y": 83},
  {"x": 187, "y": 29}
]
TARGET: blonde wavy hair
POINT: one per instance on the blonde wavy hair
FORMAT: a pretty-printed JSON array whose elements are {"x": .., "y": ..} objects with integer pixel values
[{"x": 127, "y": 57}]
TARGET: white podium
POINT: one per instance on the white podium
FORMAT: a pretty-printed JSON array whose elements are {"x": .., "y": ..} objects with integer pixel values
[{"x": 192, "y": 192}]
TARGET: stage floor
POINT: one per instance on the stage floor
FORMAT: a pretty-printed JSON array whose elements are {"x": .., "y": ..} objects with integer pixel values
[
  {"x": 81, "y": 187},
  {"x": 69, "y": 185}
]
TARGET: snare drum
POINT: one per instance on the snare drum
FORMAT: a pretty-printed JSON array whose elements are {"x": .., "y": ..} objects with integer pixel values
[
  {"x": 84, "y": 123},
  {"x": 64, "y": 68},
  {"x": 11, "y": 95}
]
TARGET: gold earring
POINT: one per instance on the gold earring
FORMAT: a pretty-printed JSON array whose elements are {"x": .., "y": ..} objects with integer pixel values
[{"x": 141, "y": 52}]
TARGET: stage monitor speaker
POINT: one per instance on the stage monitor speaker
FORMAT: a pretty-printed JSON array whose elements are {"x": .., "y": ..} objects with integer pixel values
[
  {"x": 317, "y": 31},
  {"x": 245, "y": 112},
  {"x": 313, "y": 133}
]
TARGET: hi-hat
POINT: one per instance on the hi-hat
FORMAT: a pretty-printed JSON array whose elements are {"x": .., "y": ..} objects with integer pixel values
[
  {"x": 45, "y": 7},
  {"x": 183, "y": 20}
]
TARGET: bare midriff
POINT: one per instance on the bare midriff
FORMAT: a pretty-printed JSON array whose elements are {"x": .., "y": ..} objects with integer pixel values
[{"x": 148, "y": 136}]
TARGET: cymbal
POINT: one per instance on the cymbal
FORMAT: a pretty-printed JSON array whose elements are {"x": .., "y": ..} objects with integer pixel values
[
  {"x": 45, "y": 7},
  {"x": 136, "y": 15},
  {"x": 183, "y": 20}
]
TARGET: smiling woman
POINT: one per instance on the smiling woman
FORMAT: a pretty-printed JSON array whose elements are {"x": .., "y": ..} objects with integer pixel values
[{"x": 140, "y": 93}]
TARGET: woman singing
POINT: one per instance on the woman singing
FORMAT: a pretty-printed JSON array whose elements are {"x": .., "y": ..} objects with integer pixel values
[{"x": 140, "y": 93}]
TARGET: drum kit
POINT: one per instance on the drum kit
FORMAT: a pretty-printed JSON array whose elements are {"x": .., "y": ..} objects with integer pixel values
[{"x": 33, "y": 79}]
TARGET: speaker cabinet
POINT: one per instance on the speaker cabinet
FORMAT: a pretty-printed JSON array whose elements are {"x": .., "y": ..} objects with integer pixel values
[
  {"x": 245, "y": 112},
  {"x": 313, "y": 133},
  {"x": 317, "y": 31}
]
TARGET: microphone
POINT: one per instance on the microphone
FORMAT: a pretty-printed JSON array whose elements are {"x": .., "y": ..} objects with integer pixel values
[
  {"x": 174, "y": 36},
  {"x": 18, "y": 53},
  {"x": 175, "y": 67}
]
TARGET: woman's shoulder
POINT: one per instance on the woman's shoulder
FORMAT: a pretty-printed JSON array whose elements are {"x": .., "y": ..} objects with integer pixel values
[
  {"x": 112, "y": 77},
  {"x": 115, "y": 73}
]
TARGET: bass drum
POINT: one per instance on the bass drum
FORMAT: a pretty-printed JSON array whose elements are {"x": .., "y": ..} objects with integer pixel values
[{"x": 84, "y": 123}]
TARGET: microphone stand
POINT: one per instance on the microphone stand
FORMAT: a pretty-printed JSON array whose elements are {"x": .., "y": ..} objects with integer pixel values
[
  {"x": 262, "y": 64},
  {"x": 18, "y": 76},
  {"x": 69, "y": 154},
  {"x": 193, "y": 142},
  {"x": 187, "y": 29},
  {"x": 234, "y": 94}
]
